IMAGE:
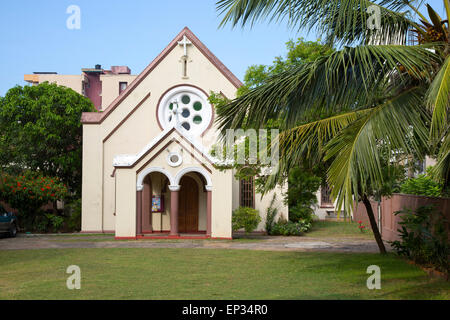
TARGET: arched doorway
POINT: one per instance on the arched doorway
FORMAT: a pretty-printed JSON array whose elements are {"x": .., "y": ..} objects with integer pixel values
[
  {"x": 155, "y": 185},
  {"x": 188, "y": 206},
  {"x": 152, "y": 187}
]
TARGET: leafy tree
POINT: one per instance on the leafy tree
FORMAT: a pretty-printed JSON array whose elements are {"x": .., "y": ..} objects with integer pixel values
[
  {"x": 423, "y": 185},
  {"x": 40, "y": 130},
  {"x": 298, "y": 52},
  {"x": 373, "y": 93},
  {"x": 301, "y": 195}
]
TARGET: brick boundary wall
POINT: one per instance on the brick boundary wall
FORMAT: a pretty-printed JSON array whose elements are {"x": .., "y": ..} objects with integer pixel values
[{"x": 389, "y": 221}]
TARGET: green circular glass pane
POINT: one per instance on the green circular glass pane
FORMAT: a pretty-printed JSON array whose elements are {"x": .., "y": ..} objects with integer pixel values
[
  {"x": 197, "y": 106},
  {"x": 185, "y": 99},
  {"x": 197, "y": 119},
  {"x": 171, "y": 106}
]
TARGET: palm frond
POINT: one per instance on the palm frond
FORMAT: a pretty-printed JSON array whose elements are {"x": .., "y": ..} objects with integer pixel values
[
  {"x": 308, "y": 140},
  {"x": 344, "y": 80},
  {"x": 355, "y": 150},
  {"x": 342, "y": 21},
  {"x": 438, "y": 100},
  {"x": 441, "y": 170},
  {"x": 306, "y": 143}
]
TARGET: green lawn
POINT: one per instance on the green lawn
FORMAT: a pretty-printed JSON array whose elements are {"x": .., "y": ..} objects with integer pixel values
[
  {"x": 210, "y": 274},
  {"x": 338, "y": 229}
]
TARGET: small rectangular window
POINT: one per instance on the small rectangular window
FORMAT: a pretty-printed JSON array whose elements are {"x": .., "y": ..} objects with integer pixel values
[
  {"x": 122, "y": 86},
  {"x": 325, "y": 196},
  {"x": 247, "y": 193}
]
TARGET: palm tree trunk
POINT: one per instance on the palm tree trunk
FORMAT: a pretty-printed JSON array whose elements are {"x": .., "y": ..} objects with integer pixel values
[{"x": 374, "y": 224}]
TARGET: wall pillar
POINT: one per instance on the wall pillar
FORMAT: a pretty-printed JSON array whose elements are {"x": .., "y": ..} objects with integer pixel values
[
  {"x": 174, "y": 193},
  {"x": 139, "y": 212},
  {"x": 208, "y": 212}
]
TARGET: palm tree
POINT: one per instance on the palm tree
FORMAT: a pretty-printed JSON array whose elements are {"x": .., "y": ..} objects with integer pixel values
[{"x": 374, "y": 93}]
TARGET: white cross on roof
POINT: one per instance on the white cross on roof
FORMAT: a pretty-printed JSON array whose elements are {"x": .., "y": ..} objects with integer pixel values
[{"x": 185, "y": 42}]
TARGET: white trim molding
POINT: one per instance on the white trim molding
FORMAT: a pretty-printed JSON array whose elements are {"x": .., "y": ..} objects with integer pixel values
[
  {"x": 130, "y": 159},
  {"x": 174, "y": 187},
  {"x": 144, "y": 173},
  {"x": 174, "y": 163},
  {"x": 176, "y": 117},
  {"x": 202, "y": 171}
]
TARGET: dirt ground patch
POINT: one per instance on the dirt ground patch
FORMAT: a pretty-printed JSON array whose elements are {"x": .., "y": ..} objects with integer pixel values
[{"x": 267, "y": 243}]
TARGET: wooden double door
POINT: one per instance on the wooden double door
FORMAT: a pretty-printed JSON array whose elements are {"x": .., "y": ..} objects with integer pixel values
[{"x": 188, "y": 205}]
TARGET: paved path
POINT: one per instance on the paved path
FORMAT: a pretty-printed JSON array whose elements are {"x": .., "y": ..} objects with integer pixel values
[{"x": 263, "y": 243}]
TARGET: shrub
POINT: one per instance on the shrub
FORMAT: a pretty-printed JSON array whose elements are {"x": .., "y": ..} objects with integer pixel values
[
  {"x": 424, "y": 238},
  {"x": 73, "y": 211},
  {"x": 29, "y": 191},
  {"x": 45, "y": 222},
  {"x": 55, "y": 222},
  {"x": 289, "y": 228},
  {"x": 301, "y": 195},
  {"x": 247, "y": 218},
  {"x": 423, "y": 185},
  {"x": 271, "y": 213}
]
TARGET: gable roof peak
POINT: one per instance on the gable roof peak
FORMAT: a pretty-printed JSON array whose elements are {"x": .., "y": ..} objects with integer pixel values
[{"x": 89, "y": 117}]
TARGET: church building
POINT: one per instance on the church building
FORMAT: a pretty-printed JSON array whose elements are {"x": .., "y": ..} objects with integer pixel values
[{"x": 147, "y": 168}]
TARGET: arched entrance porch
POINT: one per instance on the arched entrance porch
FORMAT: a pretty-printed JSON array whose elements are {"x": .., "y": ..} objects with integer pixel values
[{"x": 185, "y": 202}]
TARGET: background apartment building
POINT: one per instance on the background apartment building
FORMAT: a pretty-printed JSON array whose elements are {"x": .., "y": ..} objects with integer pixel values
[{"x": 99, "y": 85}]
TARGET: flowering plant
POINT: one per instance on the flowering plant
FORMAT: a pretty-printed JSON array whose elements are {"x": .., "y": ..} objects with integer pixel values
[
  {"x": 361, "y": 226},
  {"x": 28, "y": 191}
]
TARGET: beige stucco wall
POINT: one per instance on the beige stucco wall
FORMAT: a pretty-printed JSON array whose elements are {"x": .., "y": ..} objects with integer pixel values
[
  {"x": 92, "y": 192},
  {"x": 110, "y": 86},
  {"x": 322, "y": 212},
  {"x": 429, "y": 162},
  {"x": 70, "y": 81},
  {"x": 263, "y": 202},
  {"x": 125, "y": 203}
]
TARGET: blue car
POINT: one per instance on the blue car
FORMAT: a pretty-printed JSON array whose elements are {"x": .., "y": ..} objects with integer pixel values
[{"x": 8, "y": 222}]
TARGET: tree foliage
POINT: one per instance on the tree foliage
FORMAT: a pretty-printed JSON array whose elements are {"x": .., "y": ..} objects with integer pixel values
[
  {"x": 347, "y": 107},
  {"x": 373, "y": 93},
  {"x": 424, "y": 238},
  {"x": 298, "y": 52},
  {"x": 301, "y": 195},
  {"x": 40, "y": 130},
  {"x": 423, "y": 185}
]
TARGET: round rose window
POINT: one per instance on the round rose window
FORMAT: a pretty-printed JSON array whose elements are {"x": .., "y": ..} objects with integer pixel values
[{"x": 186, "y": 107}]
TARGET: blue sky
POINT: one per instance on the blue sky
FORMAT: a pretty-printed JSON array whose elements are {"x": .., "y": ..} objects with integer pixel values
[{"x": 34, "y": 35}]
